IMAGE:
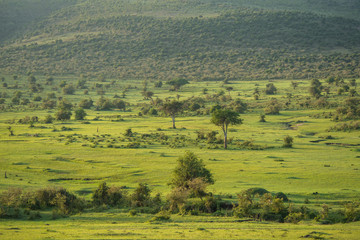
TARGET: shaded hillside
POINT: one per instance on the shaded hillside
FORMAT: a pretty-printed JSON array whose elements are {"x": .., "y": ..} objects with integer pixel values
[
  {"x": 241, "y": 44},
  {"x": 17, "y": 15}
]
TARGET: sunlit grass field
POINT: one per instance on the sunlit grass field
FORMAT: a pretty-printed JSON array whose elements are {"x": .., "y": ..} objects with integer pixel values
[{"x": 39, "y": 156}]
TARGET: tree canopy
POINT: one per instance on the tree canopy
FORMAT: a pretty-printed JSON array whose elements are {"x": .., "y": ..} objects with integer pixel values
[
  {"x": 171, "y": 109},
  {"x": 223, "y": 118},
  {"x": 190, "y": 167}
]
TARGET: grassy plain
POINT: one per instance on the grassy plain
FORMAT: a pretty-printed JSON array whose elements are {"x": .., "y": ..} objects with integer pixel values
[{"x": 39, "y": 156}]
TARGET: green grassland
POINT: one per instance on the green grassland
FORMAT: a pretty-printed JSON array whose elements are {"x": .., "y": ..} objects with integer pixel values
[
  {"x": 117, "y": 225},
  {"x": 81, "y": 156}
]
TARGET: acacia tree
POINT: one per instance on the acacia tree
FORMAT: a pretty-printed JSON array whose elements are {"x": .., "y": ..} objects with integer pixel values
[
  {"x": 223, "y": 118},
  {"x": 171, "y": 109}
]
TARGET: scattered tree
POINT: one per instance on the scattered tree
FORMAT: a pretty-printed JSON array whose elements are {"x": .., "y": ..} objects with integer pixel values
[
  {"x": 86, "y": 103},
  {"x": 68, "y": 89},
  {"x": 270, "y": 89},
  {"x": 273, "y": 107},
  {"x": 223, "y": 118},
  {"x": 171, "y": 109},
  {"x": 80, "y": 114},
  {"x": 176, "y": 84}
]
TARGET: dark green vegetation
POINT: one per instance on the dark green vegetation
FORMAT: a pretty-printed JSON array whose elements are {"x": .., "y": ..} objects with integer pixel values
[{"x": 199, "y": 40}]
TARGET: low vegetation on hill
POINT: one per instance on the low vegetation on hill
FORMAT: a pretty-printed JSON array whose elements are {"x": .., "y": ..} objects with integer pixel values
[{"x": 94, "y": 38}]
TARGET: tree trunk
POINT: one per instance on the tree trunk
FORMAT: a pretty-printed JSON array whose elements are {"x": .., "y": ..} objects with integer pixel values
[
  {"x": 173, "y": 121},
  {"x": 225, "y": 136}
]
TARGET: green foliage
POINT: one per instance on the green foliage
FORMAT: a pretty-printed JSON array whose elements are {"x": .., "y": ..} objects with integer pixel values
[
  {"x": 119, "y": 104},
  {"x": 80, "y": 114},
  {"x": 176, "y": 84},
  {"x": 112, "y": 196},
  {"x": 69, "y": 89},
  {"x": 171, "y": 109},
  {"x": 282, "y": 196},
  {"x": 104, "y": 104},
  {"x": 190, "y": 167},
  {"x": 245, "y": 205},
  {"x": 48, "y": 119},
  {"x": 288, "y": 142},
  {"x": 349, "y": 110},
  {"x": 345, "y": 127},
  {"x": 262, "y": 118},
  {"x": 273, "y": 107},
  {"x": 86, "y": 103},
  {"x": 58, "y": 198},
  {"x": 270, "y": 89},
  {"x": 64, "y": 111},
  {"x": 141, "y": 196},
  {"x": 223, "y": 118},
  {"x": 128, "y": 132},
  {"x": 315, "y": 88},
  {"x": 63, "y": 114}
]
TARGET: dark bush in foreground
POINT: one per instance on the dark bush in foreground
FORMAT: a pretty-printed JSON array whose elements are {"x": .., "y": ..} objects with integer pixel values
[{"x": 59, "y": 198}]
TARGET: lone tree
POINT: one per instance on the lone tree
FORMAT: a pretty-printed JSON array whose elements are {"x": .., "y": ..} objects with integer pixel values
[
  {"x": 223, "y": 118},
  {"x": 189, "y": 168},
  {"x": 171, "y": 109}
]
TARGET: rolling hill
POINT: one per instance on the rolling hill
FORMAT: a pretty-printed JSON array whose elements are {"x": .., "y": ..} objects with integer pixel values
[{"x": 199, "y": 40}]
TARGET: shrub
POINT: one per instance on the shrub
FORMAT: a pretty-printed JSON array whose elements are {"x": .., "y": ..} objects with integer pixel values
[
  {"x": 141, "y": 196},
  {"x": 9, "y": 212},
  {"x": 190, "y": 167},
  {"x": 86, "y": 103},
  {"x": 262, "y": 118},
  {"x": 273, "y": 209},
  {"x": 112, "y": 196},
  {"x": 161, "y": 216},
  {"x": 177, "y": 198},
  {"x": 282, "y": 196},
  {"x": 288, "y": 142},
  {"x": 128, "y": 132},
  {"x": 257, "y": 191},
  {"x": 48, "y": 119},
  {"x": 80, "y": 114},
  {"x": 270, "y": 89},
  {"x": 69, "y": 89},
  {"x": 294, "y": 217},
  {"x": 245, "y": 204},
  {"x": 352, "y": 212},
  {"x": 100, "y": 196},
  {"x": 60, "y": 198},
  {"x": 63, "y": 114},
  {"x": 273, "y": 107}
]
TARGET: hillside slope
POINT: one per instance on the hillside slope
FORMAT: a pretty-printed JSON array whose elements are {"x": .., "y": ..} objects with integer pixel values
[{"x": 131, "y": 39}]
